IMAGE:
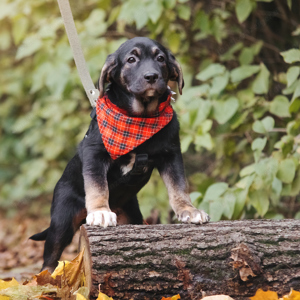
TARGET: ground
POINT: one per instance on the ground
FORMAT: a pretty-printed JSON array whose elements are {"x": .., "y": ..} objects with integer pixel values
[{"x": 20, "y": 257}]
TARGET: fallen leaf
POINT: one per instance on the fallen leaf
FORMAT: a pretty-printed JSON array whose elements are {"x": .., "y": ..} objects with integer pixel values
[
  {"x": 82, "y": 293},
  {"x": 24, "y": 292},
  {"x": 102, "y": 296},
  {"x": 7, "y": 284},
  {"x": 218, "y": 297},
  {"x": 293, "y": 295},
  {"x": 171, "y": 298},
  {"x": 59, "y": 270},
  {"x": 80, "y": 297},
  {"x": 45, "y": 277},
  {"x": 261, "y": 295}
]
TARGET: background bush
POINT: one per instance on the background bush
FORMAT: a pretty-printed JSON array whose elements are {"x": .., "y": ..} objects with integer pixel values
[{"x": 239, "y": 111}]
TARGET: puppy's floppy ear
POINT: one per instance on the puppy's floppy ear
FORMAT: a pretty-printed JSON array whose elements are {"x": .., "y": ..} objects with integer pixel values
[
  {"x": 107, "y": 69},
  {"x": 175, "y": 72}
]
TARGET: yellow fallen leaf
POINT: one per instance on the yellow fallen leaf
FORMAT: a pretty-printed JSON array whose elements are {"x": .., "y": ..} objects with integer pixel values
[
  {"x": 293, "y": 295},
  {"x": 261, "y": 295},
  {"x": 172, "y": 298},
  {"x": 7, "y": 284},
  {"x": 102, "y": 296},
  {"x": 80, "y": 297},
  {"x": 59, "y": 270},
  {"x": 218, "y": 297}
]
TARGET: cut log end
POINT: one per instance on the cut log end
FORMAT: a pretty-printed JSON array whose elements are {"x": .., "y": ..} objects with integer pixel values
[{"x": 228, "y": 257}]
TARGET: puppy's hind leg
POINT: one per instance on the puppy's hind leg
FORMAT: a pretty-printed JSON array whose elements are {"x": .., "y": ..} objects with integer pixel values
[
  {"x": 64, "y": 224},
  {"x": 67, "y": 215}
]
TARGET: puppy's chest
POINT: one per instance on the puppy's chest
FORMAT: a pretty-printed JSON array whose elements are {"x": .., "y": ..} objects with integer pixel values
[{"x": 128, "y": 164}]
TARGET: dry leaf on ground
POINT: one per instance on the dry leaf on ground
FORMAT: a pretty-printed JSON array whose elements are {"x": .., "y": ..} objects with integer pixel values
[
  {"x": 261, "y": 295},
  {"x": 171, "y": 298},
  {"x": 218, "y": 297},
  {"x": 293, "y": 295}
]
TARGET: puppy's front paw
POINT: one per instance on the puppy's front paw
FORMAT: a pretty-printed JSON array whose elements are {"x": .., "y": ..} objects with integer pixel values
[
  {"x": 193, "y": 215},
  {"x": 102, "y": 218}
]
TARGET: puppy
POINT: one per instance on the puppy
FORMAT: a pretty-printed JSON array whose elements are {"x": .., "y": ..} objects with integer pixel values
[{"x": 133, "y": 130}]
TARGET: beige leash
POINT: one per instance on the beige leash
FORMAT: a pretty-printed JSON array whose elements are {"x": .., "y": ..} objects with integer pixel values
[{"x": 87, "y": 82}]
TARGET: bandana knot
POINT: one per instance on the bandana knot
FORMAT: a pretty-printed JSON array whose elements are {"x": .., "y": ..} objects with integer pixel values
[{"x": 122, "y": 133}]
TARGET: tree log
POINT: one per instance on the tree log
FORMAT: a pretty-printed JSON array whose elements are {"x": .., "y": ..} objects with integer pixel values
[{"x": 228, "y": 257}]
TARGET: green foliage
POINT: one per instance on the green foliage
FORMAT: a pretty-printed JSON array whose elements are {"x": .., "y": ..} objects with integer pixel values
[{"x": 239, "y": 112}]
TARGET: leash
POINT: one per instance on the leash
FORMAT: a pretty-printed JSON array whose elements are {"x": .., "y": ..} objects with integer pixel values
[{"x": 85, "y": 77}]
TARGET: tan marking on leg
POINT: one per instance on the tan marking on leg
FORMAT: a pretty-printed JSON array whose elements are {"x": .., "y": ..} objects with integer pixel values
[
  {"x": 179, "y": 198},
  {"x": 96, "y": 195}
]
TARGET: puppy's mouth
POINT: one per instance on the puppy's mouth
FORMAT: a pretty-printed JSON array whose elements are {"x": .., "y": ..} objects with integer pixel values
[{"x": 149, "y": 96}]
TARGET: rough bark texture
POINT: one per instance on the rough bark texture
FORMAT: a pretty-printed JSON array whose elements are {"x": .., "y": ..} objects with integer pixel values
[{"x": 148, "y": 262}]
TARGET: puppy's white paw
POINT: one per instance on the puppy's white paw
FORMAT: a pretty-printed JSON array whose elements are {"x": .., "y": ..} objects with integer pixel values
[
  {"x": 102, "y": 218},
  {"x": 196, "y": 216}
]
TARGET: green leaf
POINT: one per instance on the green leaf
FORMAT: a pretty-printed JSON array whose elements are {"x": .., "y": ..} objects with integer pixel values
[
  {"x": 243, "y": 9},
  {"x": 215, "y": 190},
  {"x": 263, "y": 126},
  {"x": 292, "y": 75},
  {"x": 154, "y": 10},
  {"x": 291, "y": 56},
  {"x": 229, "y": 199},
  {"x": 211, "y": 71},
  {"x": 29, "y": 46},
  {"x": 285, "y": 144},
  {"x": 19, "y": 29},
  {"x": 260, "y": 201},
  {"x": 174, "y": 41},
  {"x": 204, "y": 140},
  {"x": 224, "y": 110},
  {"x": 261, "y": 82},
  {"x": 184, "y": 12},
  {"x": 229, "y": 55},
  {"x": 202, "y": 113},
  {"x": 243, "y": 72},
  {"x": 294, "y": 106},
  {"x": 246, "y": 56},
  {"x": 286, "y": 171},
  {"x": 247, "y": 170},
  {"x": 195, "y": 196},
  {"x": 259, "y": 144},
  {"x": 297, "y": 91},
  {"x": 185, "y": 143},
  {"x": 95, "y": 24},
  {"x": 266, "y": 169},
  {"x": 219, "y": 83},
  {"x": 280, "y": 106},
  {"x": 276, "y": 191}
]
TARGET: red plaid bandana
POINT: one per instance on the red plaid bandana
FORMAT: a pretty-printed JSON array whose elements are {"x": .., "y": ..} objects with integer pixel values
[{"x": 122, "y": 133}]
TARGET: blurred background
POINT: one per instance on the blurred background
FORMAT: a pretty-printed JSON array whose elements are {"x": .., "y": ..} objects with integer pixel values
[{"x": 239, "y": 112}]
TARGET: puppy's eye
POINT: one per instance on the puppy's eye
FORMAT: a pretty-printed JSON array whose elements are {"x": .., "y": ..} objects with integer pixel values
[
  {"x": 131, "y": 60},
  {"x": 160, "y": 58}
]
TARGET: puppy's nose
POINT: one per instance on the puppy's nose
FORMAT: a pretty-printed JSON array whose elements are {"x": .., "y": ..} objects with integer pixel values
[{"x": 151, "y": 77}]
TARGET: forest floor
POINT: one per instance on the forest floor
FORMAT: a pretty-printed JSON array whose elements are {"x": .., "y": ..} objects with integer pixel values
[{"x": 20, "y": 257}]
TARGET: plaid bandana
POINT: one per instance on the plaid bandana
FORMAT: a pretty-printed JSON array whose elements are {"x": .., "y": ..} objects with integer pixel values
[{"x": 122, "y": 133}]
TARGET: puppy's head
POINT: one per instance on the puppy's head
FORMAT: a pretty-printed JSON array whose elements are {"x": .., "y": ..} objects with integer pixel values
[{"x": 141, "y": 69}]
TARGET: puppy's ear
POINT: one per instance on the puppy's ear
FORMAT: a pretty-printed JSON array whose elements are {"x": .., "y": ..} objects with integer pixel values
[
  {"x": 175, "y": 72},
  {"x": 107, "y": 69}
]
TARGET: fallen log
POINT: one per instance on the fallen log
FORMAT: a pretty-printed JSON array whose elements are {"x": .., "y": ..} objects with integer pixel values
[{"x": 228, "y": 257}]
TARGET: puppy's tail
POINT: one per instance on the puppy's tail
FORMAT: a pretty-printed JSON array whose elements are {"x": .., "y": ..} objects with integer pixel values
[{"x": 40, "y": 236}]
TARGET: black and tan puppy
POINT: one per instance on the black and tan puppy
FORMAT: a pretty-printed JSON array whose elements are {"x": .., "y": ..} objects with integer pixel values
[{"x": 100, "y": 190}]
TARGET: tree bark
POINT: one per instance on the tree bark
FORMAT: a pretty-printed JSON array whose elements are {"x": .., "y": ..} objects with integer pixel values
[{"x": 228, "y": 257}]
